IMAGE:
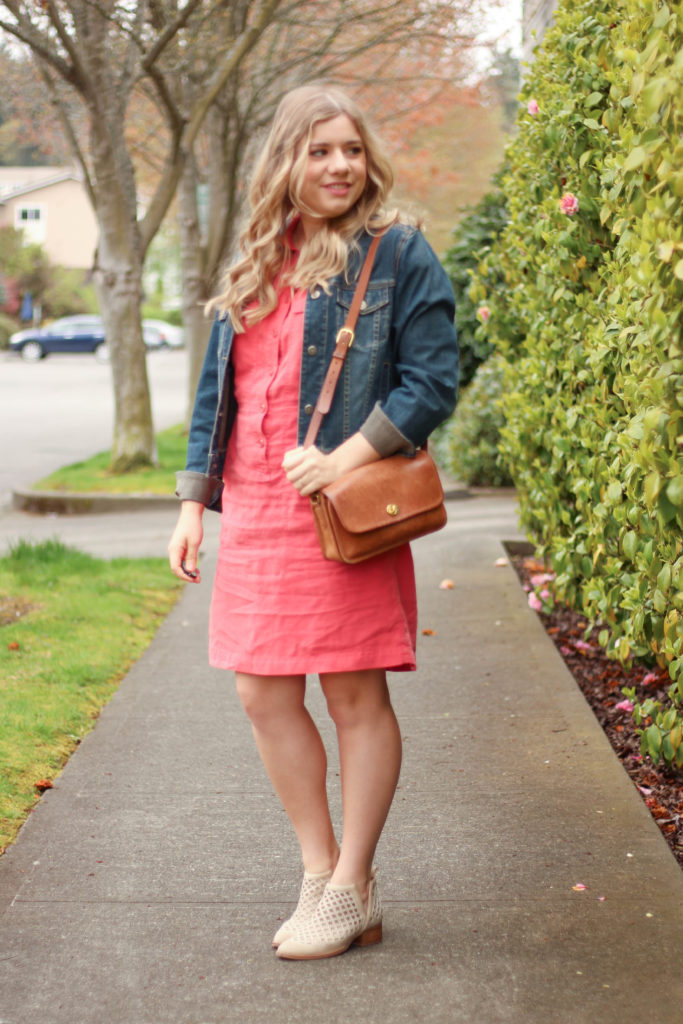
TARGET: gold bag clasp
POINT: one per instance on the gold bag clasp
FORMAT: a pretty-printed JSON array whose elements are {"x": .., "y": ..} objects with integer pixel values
[{"x": 392, "y": 510}]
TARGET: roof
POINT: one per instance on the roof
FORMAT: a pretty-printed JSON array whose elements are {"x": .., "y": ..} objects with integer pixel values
[{"x": 17, "y": 181}]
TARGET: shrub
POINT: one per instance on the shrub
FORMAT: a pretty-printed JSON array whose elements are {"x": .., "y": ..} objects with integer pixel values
[
  {"x": 589, "y": 319},
  {"x": 472, "y": 240},
  {"x": 7, "y": 327},
  {"x": 467, "y": 445}
]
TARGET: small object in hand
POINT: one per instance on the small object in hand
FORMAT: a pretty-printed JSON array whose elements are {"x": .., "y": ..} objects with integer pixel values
[{"x": 192, "y": 575}]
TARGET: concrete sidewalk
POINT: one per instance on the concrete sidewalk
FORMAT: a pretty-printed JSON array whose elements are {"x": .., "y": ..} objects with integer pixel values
[{"x": 145, "y": 887}]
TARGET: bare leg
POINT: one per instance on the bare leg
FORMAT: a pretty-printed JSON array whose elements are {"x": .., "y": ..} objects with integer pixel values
[
  {"x": 370, "y": 758},
  {"x": 294, "y": 757}
]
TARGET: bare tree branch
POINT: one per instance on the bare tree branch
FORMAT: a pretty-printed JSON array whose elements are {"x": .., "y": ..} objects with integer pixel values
[{"x": 65, "y": 121}]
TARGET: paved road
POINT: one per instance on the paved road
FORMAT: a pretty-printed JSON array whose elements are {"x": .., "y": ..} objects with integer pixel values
[
  {"x": 145, "y": 887},
  {"x": 61, "y": 410}
]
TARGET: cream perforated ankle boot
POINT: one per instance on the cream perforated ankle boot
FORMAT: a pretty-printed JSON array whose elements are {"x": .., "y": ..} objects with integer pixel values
[
  {"x": 312, "y": 889},
  {"x": 340, "y": 920}
]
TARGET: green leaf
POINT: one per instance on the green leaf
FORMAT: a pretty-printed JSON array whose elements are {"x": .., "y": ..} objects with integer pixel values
[
  {"x": 630, "y": 544},
  {"x": 678, "y": 270},
  {"x": 654, "y": 741},
  {"x": 674, "y": 490},
  {"x": 635, "y": 158},
  {"x": 664, "y": 578},
  {"x": 665, "y": 250},
  {"x": 653, "y": 485}
]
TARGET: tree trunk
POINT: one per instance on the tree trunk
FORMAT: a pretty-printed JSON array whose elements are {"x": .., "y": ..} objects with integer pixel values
[
  {"x": 194, "y": 286},
  {"x": 118, "y": 282}
]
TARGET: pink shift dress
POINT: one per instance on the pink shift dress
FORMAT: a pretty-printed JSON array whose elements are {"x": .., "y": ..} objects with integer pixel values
[{"x": 278, "y": 606}]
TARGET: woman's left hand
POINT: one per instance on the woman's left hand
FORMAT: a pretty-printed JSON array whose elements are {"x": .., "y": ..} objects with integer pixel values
[{"x": 308, "y": 469}]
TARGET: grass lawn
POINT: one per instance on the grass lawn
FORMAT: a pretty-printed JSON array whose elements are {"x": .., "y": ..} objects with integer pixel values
[
  {"x": 70, "y": 627},
  {"x": 94, "y": 474}
]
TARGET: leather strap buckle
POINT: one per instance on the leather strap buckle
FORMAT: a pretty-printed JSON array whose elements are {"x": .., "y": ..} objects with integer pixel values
[{"x": 345, "y": 330}]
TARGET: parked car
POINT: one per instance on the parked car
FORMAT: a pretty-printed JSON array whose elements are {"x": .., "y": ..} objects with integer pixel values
[
  {"x": 172, "y": 336},
  {"x": 81, "y": 333}
]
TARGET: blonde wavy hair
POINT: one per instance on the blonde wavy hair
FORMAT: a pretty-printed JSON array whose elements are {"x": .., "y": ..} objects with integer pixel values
[{"x": 274, "y": 197}]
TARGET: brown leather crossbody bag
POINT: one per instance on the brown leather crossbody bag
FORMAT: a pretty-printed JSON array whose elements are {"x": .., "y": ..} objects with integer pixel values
[{"x": 383, "y": 504}]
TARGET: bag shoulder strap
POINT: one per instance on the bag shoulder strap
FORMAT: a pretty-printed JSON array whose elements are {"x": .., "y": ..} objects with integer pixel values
[{"x": 343, "y": 343}]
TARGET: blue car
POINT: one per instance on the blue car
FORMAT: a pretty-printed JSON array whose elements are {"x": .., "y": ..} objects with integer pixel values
[
  {"x": 70, "y": 334},
  {"x": 83, "y": 333}
]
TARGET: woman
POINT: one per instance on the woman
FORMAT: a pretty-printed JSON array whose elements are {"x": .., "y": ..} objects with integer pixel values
[{"x": 279, "y": 609}]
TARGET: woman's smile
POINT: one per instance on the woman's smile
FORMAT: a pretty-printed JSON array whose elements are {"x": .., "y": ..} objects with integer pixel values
[{"x": 335, "y": 174}]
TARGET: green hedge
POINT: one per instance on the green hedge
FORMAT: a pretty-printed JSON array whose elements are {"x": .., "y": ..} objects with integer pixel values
[
  {"x": 468, "y": 445},
  {"x": 585, "y": 290},
  {"x": 472, "y": 240}
]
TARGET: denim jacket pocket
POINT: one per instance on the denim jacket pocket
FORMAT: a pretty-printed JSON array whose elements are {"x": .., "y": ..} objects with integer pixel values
[{"x": 364, "y": 369}]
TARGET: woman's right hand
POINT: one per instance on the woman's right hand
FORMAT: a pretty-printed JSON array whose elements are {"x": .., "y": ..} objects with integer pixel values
[{"x": 183, "y": 547}]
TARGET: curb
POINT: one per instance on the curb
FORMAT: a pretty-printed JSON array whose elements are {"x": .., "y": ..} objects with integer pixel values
[
  {"x": 71, "y": 503},
  {"x": 85, "y": 503}
]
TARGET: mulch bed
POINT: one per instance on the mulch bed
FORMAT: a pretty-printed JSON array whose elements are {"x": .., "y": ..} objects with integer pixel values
[{"x": 601, "y": 680}]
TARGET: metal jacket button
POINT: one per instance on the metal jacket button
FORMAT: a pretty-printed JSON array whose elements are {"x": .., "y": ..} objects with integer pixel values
[
  {"x": 312, "y": 350},
  {"x": 308, "y": 409}
]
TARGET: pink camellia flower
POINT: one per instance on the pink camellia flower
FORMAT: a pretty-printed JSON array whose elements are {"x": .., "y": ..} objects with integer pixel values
[
  {"x": 544, "y": 594},
  {"x": 542, "y": 577},
  {"x": 532, "y": 107},
  {"x": 534, "y": 602},
  {"x": 569, "y": 204},
  {"x": 484, "y": 313},
  {"x": 581, "y": 645},
  {"x": 651, "y": 677},
  {"x": 624, "y": 705},
  {"x": 565, "y": 651}
]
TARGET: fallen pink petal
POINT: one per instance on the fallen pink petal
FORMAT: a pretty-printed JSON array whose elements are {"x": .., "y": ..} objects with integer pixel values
[
  {"x": 581, "y": 645},
  {"x": 650, "y": 678},
  {"x": 446, "y": 585},
  {"x": 500, "y": 562},
  {"x": 579, "y": 887},
  {"x": 624, "y": 705},
  {"x": 565, "y": 651},
  {"x": 534, "y": 602}
]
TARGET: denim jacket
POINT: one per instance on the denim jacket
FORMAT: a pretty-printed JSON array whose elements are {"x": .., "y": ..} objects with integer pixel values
[{"x": 399, "y": 380}]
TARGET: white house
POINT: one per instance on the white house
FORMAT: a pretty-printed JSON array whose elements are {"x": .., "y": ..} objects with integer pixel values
[{"x": 51, "y": 206}]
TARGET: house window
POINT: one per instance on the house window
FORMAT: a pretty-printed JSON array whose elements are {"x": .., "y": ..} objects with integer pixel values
[{"x": 32, "y": 221}]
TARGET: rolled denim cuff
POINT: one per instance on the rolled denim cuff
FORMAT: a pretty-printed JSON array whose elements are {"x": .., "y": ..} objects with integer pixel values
[
  {"x": 192, "y": 486},
  {"x": 384, "y": 437}
]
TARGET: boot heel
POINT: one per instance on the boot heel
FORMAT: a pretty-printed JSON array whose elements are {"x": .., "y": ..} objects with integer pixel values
[{"x": 370, "y": 937}]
